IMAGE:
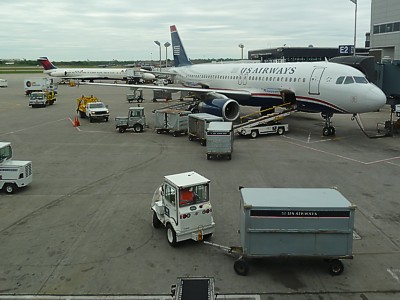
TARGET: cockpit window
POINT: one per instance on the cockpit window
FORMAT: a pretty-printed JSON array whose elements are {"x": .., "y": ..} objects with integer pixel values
[
  {"x": 340, "y": 80},
  {"x": 348, "y": 80},
  {"x": 360, "y": 79}
]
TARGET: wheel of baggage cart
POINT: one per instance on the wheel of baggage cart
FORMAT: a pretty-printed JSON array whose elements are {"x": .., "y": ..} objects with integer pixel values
[
  {"x": 203, "y": 142},
  {"x": 106, "y": 119},
  {"x": 336, "y": 267},
  {"x": 171, "y": 235},
  {"x": 138, "y": 128},
  {"x": 254, "y": 134},
  {"x": 190, "y": 138},
  {"x": 281, "y": 130},
  {"x": 208, "y": 156},
  {"x": 10, "y": 188},
  {"x": 241, "y": 267},
  {"x": 175, "y": 133},
  {"x": 158, "y": 131},
  {"x": 121, "y": 129},
  {"x": 156, "y": 221},
  {"x": 229, "y": 156}
]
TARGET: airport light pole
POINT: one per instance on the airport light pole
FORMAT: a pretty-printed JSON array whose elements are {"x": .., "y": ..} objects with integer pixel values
[
  {"x": 241, "y": 46},
  {"x": 167, "y": 44},
  {"x": 159, "y": 46},
  {"x": 355, "y": 26}
]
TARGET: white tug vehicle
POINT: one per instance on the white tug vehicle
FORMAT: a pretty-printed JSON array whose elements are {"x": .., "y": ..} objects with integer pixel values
[{"x": 182, "y": 205}]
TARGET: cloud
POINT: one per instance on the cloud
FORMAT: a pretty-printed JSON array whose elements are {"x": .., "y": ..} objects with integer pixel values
[{"x": 125, "y": 30}]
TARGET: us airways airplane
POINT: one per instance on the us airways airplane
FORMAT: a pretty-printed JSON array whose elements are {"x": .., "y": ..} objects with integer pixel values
[
  {"x": 93, "y": 73},
  {"x": 319, "y": 87}
]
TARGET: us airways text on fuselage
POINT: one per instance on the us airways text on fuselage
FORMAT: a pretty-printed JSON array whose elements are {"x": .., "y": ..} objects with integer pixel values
[{"x": 268, "y": 70}]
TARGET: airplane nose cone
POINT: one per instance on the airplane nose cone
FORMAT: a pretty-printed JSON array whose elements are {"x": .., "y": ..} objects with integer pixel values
[{"x": 376, "y": 98}]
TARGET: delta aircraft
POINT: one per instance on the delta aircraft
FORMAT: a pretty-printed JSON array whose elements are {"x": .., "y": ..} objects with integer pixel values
[
  {"x": 318, "y": 87},
  {"x": 92, "y": 73}
]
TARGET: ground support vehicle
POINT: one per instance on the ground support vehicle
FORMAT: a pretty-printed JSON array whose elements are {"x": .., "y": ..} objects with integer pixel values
[
  {"x": 3, "y": 83},
  {"x": 171, "y": 120},
  {"x": 162, "y": 94},
  {"x": 82, "y": 103},
  {"x": 219, "y": 140},
  {"x": 198, "y": 124},
  {"x": 136, "y": 96},
  {"x": 97, "y": 111},
  {"x": 41, "y": 99},
  {"x": 182, "y": 205},
  {"x": 14, "y": 174},
  {"x": 190, "y": 288},
  {"x": 40, "y": 85},
  {"x": 267, "y": 124},
  {"x": 294, "y": 223},
  {"x": 136, "y": 119}
]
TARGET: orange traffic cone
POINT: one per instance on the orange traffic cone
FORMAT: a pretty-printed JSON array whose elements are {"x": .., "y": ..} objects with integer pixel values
[{"x": 76, "y": 122}]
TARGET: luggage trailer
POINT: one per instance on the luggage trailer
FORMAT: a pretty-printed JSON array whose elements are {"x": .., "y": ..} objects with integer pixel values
[{"x": 294, "y": 222}]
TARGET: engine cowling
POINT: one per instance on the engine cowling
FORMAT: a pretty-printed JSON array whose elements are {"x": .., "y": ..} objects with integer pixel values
[
  {"x": 58, "y": 73},
  {"x": 227, "y": 108},
  {"x": 148, "y": 76}
]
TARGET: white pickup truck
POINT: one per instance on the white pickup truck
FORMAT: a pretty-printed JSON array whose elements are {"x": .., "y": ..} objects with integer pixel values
[{"x": 97, "y": 110}]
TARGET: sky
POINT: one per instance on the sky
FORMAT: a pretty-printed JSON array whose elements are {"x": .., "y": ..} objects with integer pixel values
[{"x": 76, "y": 30}]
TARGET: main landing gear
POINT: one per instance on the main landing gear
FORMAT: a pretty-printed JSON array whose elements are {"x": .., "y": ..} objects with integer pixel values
[{"x": 328, "y": 130}]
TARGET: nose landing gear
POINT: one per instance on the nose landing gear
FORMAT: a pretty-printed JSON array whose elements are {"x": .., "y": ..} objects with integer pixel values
[{"x": 328, "y": 129}]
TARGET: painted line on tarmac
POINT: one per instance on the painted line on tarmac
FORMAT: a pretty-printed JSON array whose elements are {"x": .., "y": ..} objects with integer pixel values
[
  {"x": 386, "y": 160},
  {"x": 395, "y": 273},
  {"x": 30, "y": 127}
]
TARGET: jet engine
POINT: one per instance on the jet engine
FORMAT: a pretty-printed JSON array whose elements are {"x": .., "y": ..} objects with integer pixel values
[
  {"x": 222, "y": 106},
  {"x": 148, "y": 77},
  {"x": 58, "y": 73}
]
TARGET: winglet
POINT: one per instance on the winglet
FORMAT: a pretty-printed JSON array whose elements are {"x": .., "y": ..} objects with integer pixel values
[{"x": 180, "y": 57}]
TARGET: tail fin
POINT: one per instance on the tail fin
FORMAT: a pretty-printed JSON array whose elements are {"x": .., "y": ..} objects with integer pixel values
[
  {"x": 180, "y": 57},
  {"x": 46, "y": 63}
]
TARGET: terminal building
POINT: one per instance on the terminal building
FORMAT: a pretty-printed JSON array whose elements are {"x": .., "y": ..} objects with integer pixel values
[{"x": 385, "y": 30}]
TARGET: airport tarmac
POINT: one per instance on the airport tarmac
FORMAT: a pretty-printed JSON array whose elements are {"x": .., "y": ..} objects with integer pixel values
[{"x": 83, "y": 227}]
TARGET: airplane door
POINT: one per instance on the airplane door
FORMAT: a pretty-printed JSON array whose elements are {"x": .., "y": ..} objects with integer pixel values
[
  {"x": 242, "y": 80},
  {"x": 315, "y": 80}
]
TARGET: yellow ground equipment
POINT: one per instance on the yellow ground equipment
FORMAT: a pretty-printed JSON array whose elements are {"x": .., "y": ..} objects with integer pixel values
[{"x": 82, "y": 102}]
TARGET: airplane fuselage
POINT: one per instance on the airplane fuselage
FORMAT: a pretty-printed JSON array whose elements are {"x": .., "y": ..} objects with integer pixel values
[
  {"x": 87, "y": 73},
  {"x": 317, "y": 86}
]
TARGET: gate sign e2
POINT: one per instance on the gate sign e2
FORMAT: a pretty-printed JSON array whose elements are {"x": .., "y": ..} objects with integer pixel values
[{"x": 346, "y": 49}]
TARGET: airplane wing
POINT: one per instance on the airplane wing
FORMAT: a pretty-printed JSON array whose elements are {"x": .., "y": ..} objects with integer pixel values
[
  {"x": 173, "y": 88},
  {"x": 213, "y": 101}
]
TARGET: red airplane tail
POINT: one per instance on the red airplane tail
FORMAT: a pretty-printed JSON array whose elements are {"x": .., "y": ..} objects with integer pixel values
[{"x": 46, "y": 63}]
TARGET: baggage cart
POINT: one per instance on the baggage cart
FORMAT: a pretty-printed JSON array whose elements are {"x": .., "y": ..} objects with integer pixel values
[
  {"x": 294, "y": 222},
  {"x": 137, "y": 95},
  {"x": 219, "y": 140},
  {"x": 173, "y": 120},
  {"x": 162, "y": 94},
  {"x": 198, "y": 124}
]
